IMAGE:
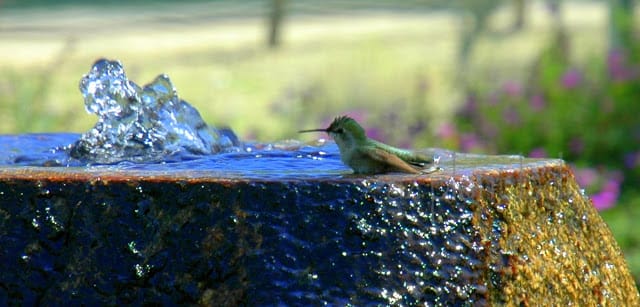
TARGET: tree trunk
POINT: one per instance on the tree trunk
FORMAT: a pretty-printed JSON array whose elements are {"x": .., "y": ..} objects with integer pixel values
[
  {"x": 519, "y": 8},
  {"x": 276, "y": 15}
]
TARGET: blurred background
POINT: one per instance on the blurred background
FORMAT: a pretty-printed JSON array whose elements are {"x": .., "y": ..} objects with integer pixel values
[{"x": 548, "y": 78}]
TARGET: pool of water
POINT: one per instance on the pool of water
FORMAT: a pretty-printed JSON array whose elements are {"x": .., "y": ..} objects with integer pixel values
[
  {"x": 281, "y": 159},
  {"x": 49, "y": 152}
]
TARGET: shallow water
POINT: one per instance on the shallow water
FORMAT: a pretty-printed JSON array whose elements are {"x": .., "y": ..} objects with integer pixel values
[
  {"x": 292, "y": 159},
  {"x": 284, "y": 159}
]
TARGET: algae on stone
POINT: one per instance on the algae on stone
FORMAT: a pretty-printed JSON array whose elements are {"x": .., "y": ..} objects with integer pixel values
[{"x": 553, "y": 248}]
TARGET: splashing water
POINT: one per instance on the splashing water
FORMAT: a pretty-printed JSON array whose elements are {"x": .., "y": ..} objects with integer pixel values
[{"x": 142, "y": 124}]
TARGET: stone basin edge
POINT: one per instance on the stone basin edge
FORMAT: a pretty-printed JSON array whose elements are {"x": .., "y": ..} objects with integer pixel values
[{"x": 447, "y": 173}]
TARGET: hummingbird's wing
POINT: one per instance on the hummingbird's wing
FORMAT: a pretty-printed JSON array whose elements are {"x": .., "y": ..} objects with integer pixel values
[
  {"x": 409, "y": 156},
  {"x": 387, "y": 158},
  {"x": 420, "y": 162}
]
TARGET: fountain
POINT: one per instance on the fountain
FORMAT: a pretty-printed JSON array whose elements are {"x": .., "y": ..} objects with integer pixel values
[
  {"x": 141, "y": 124},
  {"x": 153, "y": 206}
]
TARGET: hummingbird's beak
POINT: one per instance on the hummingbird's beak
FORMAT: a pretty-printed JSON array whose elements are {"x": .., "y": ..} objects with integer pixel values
[{"x": 313, "y": 130}]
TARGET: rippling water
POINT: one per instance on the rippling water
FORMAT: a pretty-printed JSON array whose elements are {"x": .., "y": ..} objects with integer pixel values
[
  {"x": 282, "y": 159},
  {"x": 279, "y": 160}
]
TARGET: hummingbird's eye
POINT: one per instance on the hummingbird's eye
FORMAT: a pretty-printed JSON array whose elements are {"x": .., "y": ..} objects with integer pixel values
[{"x": 339, "y": 131}]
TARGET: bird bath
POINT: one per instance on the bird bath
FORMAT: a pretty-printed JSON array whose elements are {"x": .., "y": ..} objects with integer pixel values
[{"x": 161, "y": 221}]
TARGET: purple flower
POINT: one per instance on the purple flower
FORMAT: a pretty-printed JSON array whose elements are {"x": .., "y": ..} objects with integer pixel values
[
  {"x": 608, "y": 192},
  {"x": 511, "y": 116},
  {"x": 632, "y": 160},
  {"x": 446, "y": 131},
  {"x": 512, "y": 88},
  {"x": 470, "y": 107},
  {"x": 576, "y": 145},
  {"x": 538, "y": 153},
  {"x": 585, "y": 176},
  {"x": 469, "y": 141},
  {"x": 571, "y": 79},
  {"x": 375, "y": 133},
  {"x": 608, "y": 196},
  {"x": 537, "y": 103},
  {"x": 619, "y": 68}
]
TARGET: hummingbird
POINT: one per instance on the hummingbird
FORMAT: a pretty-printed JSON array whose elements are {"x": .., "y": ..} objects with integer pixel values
[{"x": 368, "y": 156}]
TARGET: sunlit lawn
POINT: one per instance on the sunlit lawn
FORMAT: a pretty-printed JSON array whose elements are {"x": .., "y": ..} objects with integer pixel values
[
  {"x": 329, "y": 64},
  {"x": 346, "y": 61}
]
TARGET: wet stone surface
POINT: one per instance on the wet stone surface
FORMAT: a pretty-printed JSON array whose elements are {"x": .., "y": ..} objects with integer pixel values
[
  {"x": 491, "y": 230},
  {"x": 225, "y": 243}
]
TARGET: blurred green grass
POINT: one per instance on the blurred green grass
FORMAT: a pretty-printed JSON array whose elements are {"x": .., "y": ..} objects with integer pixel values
[
  {"x": 335, "y": 58},
  {"x": 331, "y": 62}
]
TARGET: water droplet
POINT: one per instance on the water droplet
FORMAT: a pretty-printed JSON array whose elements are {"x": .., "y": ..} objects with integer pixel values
[
  {"x": 141, "y": 124},
  {"x": 142, "y": 270},
  {"x": 35, "y": 223},
  {"x": 132, "y": 248}
]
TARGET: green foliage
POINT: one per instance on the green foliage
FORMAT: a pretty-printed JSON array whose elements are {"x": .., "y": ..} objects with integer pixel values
[
  {"x": 622, "y": 221},
  {"x": 587, "y": 115},
  {"x": 563, "y": 111},
  {"x": 22, "y": 101}
]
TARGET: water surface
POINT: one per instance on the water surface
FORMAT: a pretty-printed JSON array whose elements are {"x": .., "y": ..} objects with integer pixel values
[{"x": 275, "y": 160}]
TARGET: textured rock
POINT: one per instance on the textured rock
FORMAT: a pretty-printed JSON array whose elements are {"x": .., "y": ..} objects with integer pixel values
[{"x": 490, "y": 230}]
